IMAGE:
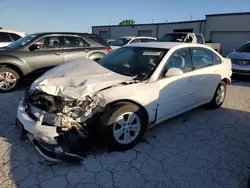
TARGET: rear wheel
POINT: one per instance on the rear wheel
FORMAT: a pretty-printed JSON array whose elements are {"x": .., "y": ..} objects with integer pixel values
[
  {"x": 219, "y": 96},
  {"x": 123, "y": 126},
  {"x": 9, "y": 79}
]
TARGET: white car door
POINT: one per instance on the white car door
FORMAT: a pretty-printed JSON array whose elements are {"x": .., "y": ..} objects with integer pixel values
[
  {"x": 208, "y": 70},
  {"x": 177, "y": 93}
]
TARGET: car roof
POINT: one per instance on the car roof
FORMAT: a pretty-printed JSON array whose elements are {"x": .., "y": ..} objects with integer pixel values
[
  {"x": 165, "y": 45},
  {"x": 134, "y": 37},
  {"x": 11, "y": 31},
  {"x": 65, "y": 33}
]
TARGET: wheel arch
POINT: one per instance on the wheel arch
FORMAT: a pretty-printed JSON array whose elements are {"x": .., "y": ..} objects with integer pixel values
[
  {"x": 226, "y": 80},
  {"x": 128, "y": 101},
  {"x": 96, "y": 56},
  {"x": 11, "y": 66}
]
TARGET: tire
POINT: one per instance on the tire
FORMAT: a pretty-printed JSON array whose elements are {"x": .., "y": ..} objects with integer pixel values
[
  {"x": 217, "y": 102},
  {"x": 131, "y": 133},
  {"x": 12, "y": 75}
]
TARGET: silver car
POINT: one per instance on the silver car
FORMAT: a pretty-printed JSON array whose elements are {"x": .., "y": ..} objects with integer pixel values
[{"x": 241, "y": 60}]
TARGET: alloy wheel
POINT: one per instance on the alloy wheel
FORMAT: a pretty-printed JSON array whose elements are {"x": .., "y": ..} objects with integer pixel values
[
  {"x": 220, "y": 94},
  {"x": 126, "y": 128},
  {"x": 7, "y": 81}
]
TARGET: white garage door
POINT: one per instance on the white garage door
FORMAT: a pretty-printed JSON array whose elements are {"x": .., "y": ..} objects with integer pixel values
[{"x": 230, "y": 40}]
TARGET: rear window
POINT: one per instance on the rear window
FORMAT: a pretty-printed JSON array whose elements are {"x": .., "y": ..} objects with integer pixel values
[
  {"x": 174, "y": 37},
  {"x": 15, "y": 36},
  {"x": 4, "y": 37},
  {"x": 100, "y": 40}
]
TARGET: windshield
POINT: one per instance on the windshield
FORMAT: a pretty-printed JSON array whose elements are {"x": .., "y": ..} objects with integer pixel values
[
  {"x": 244, "y": 48},
  {"x": 175, "y": 37},
  {"x": 133, "y": 61},
  {"x": 21, "y": 42},
  {"x": 120, "y": 42}
]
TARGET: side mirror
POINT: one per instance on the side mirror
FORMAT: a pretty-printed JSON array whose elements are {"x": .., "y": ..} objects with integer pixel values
[
  {"x": 34, "y": 47},
  {"x": 174, "y": 72}
]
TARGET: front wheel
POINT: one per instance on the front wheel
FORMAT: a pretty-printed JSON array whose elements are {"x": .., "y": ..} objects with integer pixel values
[
  {"x": 219, "y": 96},
  {"x": 123, "y": 126},
  {"x": 9, "y": 79}
]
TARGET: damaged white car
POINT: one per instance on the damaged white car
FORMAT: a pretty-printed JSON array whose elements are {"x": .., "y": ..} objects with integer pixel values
[{"x": 129, "y": 90}]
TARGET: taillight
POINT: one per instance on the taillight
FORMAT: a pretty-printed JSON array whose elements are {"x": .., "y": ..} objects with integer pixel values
[{"x": 109, "y": 50}]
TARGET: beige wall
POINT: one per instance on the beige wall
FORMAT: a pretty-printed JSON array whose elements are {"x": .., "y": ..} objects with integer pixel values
[{"x": 226, "y": 23}]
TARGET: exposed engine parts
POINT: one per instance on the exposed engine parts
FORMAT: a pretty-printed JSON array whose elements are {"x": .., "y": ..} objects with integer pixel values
[{"x": 70, "y": 119}]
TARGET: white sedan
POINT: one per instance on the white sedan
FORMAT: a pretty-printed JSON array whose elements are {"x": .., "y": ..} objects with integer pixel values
[{"x": 129, "y": 90}]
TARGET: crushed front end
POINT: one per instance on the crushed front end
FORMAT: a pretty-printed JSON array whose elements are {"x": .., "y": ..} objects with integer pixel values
[{"x": 60, "y": 128}]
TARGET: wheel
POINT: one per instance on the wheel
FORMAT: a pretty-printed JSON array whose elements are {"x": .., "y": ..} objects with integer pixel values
[
  {"x": 123, "y": 125},
  {"x": 9, "y": 79},
  {"x": 219, "y": 96}
]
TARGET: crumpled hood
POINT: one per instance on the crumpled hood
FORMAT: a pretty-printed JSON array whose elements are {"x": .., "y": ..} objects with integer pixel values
[
  {"x": 77, "y": 79},
  {"x": 239, "y": 55}
]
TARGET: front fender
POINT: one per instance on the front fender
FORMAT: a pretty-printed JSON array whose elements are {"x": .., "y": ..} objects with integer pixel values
[
  {"x": 144, "y": 94},
  {"x": 14, "y": 61}
]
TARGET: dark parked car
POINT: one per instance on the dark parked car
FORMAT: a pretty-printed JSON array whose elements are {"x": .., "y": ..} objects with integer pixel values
[{"x": 42, "y": 51}]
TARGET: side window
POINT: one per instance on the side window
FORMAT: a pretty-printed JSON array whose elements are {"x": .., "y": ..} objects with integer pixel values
[
  {"x": 75, "y": 42},
  {"x": 217, "y": 59},
  {"x": 201, "y": 57},
  {"x": 4, "y": 37},
  {"x": 135, "y": 41},
  {"x": 49, "y": 43},
  {"x": 180, "y": 59},
  {"x": 144, "y": 40},
  {"x": 14, "y": 36},
  {"x": 199, "y": 39}
]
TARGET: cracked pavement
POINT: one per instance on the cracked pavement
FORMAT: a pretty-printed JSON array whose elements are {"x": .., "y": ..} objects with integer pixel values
[{"x": 201, "y": 148}]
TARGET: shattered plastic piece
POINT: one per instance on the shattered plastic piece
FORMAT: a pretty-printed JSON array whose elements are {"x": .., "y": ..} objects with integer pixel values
[{"x": 55, "y": 157}]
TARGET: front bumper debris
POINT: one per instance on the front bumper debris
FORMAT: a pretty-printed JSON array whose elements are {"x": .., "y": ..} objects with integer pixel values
[
  {"x": 55, "y": 156},
  {"x": 44, "y": 133},
  {"x": 49, "y": 141}
]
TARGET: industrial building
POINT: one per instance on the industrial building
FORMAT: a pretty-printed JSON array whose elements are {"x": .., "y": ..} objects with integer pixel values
[{"x": 231, "y": 30}]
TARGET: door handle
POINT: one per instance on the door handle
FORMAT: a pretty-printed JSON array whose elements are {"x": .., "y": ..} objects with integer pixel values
[{"x": 57, "y": 53}]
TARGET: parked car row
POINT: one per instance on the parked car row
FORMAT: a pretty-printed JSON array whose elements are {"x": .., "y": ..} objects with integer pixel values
[{"x": 41, "y": 51}]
